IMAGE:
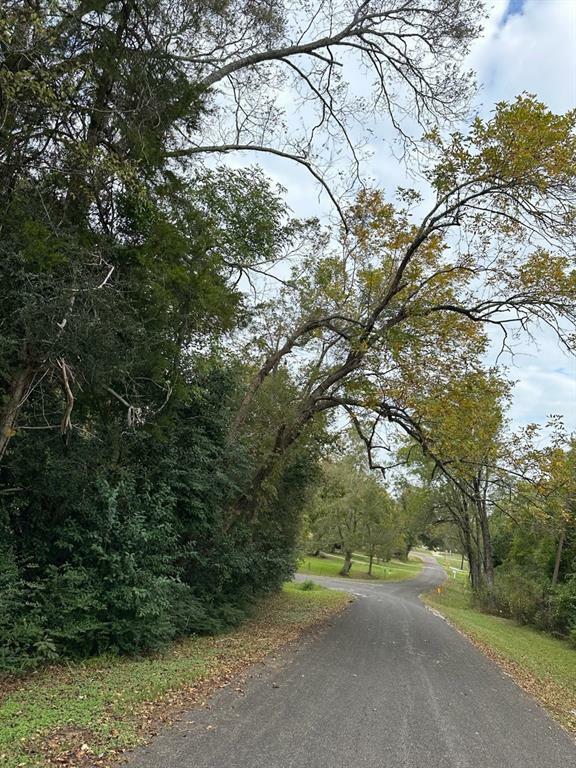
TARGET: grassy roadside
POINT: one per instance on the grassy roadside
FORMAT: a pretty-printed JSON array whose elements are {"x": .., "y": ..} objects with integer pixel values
[
  {"x": 542, "y": 665},
  {"x": 86, "y": 714},
  {"x": 331, "y": 565}
]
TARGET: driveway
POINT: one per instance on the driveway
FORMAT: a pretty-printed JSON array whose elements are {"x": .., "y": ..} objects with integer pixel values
[{"x": 387, "y": 685}]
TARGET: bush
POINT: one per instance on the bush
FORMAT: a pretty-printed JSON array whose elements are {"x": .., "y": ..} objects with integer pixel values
[
  {"x": 120, "y": 544},
  {"x": 515, "y": 595},
  {"x": 518, "y": 595},
  {"x": 308, "y": 585},
  {"x": 109, "y": 581},
  {"x": 562, "y": 611}
]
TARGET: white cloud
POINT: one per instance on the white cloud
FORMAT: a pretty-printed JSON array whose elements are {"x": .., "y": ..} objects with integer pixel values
[
  {"x": 545, "y": 376},
  {"x": 533, "y": 51},
  {"x": 540, "y": 394}
]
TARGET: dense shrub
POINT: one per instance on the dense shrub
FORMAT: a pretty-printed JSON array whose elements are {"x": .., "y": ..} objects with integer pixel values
[
  {"x": 520, "y": 595},
  {"x": 124, "y": 554},
  {"x": 100, "y": 575},
  {"x": 517, "y": 595},
  {"x": 562, "y": 610}
]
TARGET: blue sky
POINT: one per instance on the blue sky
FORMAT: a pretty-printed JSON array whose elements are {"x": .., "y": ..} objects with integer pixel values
[
  {"x": 530, "y": 45},
  {"x": 514, "y": 6}
]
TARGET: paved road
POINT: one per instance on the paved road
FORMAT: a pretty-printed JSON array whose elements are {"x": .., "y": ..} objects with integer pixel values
[{"x": 388, "y": 685}]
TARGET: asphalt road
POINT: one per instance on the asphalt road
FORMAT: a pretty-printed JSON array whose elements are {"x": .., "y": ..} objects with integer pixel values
[{"x": 387, "y": 685}]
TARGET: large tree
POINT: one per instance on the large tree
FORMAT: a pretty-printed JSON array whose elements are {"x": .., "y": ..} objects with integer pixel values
[
  {"x": 352, "y": 509},
  {"x": 400, "y": 312},
  {"x": 108, "y": 108}
]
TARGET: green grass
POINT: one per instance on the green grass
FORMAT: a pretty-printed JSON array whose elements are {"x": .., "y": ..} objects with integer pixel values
[
  {"x": 102, "y": 706},
  {"x": 331, "y": 565},
  {"x": 542, "y": 664}
]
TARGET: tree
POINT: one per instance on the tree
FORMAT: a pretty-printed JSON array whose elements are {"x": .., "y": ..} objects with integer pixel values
[
  {"x": 352, "y": 509},
  {"x": 548, "y": 492},
  {"x": 564, "y": 478},
  {"x": 246, "y": 57},
  {"x": 533, "y": 531},
  {"x": 107, "y": 109},
  {"x": 334, "y": 513},
  {"x": 400, "y": 313},
  {"x": 467, "y": 464},
  {"x": 379, "y": 522},
  {"x": 417, "y": 513}
]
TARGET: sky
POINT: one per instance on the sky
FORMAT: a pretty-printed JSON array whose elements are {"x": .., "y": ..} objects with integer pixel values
[
  {"x": 526, "y": 46},
  {"x": 530, "y": 45}
]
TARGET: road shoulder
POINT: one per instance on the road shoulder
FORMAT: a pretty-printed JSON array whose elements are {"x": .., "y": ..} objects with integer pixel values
[
  {"x": 88, "y": 714},
  {"x": 543, "y": 666}
]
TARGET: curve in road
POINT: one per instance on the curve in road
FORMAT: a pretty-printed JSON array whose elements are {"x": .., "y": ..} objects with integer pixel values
[{"x": 388, "y": 685}]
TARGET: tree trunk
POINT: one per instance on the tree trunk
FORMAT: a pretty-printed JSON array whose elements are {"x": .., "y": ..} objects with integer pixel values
[
  {"x": 370, "y": 561},
  {"x": 487, "y": 559},
  {"x": 10, "y": 413},
  {"x": 558, "y": 560},
  {"x": 473, "y": 557},
  {"x": 487, "y": 556},
  {"x": 347, "y": 563},
  {"x": 475, "y": 575}
]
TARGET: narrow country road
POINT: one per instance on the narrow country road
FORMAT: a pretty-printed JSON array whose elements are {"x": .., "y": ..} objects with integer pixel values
[{"x": 388, "y": 685}]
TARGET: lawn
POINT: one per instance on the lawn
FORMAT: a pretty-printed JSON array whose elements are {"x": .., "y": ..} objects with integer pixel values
[
  {"x": 331, "y": 565},
  {"x": 86, "y": 713},
  {"x": 543, "y": 665}
]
